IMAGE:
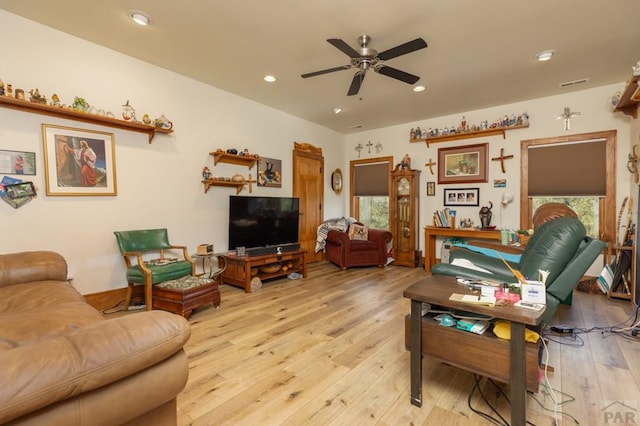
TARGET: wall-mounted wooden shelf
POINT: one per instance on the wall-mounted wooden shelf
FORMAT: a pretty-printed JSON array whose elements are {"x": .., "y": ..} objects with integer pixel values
[
  {"x": 468, "y": 135},
  {"x": 629, "y": 100},
  {"x": 238, "y": 160},
  {"x": 36, "y": 108},
  {"x": 239, "y": 186}
]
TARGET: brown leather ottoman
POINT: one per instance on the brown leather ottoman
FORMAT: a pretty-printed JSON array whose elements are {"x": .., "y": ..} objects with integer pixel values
[{"x": 183, "y": 295}]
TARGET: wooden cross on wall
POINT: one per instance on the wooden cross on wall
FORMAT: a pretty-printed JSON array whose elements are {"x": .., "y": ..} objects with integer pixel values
[
  {"x": 501, "y": 158},
  {"x": 430, "y": 164}
]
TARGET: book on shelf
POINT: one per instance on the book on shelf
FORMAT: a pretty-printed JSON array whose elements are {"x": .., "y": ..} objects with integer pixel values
[{"x": 445, "y": 218}]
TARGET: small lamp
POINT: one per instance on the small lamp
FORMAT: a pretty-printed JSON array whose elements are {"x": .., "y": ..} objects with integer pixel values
[{"x": 507, "y": 199}]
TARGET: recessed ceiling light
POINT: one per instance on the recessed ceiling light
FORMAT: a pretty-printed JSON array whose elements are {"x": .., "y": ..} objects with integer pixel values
[
  {"x": 269, "y": 78},
  {"x": 419, "y": 88},
  {"x": 139, "y": 18},
  {"x": 337, "y": 110},
  {"x": 545, "y": 55}
]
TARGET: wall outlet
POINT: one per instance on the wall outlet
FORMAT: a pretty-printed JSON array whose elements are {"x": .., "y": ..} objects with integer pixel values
[{"x": 69, "y": 275}]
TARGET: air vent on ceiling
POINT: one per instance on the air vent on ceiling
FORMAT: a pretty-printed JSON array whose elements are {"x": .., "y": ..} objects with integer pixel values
[{"x": 574, "y": 82}]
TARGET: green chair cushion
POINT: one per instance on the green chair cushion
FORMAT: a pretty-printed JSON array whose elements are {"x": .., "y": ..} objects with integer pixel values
[{"x": 160, "y": 273}]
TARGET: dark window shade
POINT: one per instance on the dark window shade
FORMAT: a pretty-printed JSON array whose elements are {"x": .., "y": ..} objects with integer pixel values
[
  {"x": 568, "y": 169},
  {"x": 371, "y": 179}
]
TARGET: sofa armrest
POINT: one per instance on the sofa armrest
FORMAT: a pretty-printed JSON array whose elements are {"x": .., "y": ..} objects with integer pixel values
[
  {"x": 379, "y": 235},
  {"x": 337, "y": 237},
  {"x": 24, "y": 267},
  {"x": 52, "y": 370}
]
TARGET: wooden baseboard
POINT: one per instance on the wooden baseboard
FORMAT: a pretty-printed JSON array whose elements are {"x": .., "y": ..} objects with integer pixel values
[{"x": 111, "y": 298}]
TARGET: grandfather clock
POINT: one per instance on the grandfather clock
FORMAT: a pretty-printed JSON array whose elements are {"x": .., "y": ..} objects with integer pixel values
[{"x": 404, "y": 207}]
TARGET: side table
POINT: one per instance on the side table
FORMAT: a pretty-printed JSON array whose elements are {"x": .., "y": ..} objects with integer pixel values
[
  {"x": 217, "y": 264},
  {"x": 509, "y": 358}
]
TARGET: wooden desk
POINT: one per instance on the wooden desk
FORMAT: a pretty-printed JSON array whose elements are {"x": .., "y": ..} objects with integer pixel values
[
  {"x": 431, "y": 232},
  {"x": 436, "y": 290}
]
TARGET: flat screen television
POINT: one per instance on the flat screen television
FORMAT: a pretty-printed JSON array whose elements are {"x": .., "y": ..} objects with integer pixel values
[{"x": 262, "y": 221}]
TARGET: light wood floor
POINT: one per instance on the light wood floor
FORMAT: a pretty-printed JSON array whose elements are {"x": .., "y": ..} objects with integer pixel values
[{"x": 329, "y": 350}]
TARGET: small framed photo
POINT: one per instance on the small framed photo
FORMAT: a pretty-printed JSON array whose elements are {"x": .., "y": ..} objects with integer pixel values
[
  {"x": 20, "y": 190},
  {"x": 17, "y": 162},
  {"x": 78, "y": 162},
  {"x": 462, "y": 197},
  {"x": 431, "y": 189}
]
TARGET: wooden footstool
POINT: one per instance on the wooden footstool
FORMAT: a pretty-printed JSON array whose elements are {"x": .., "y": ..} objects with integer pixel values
[{"x": 183, "y": 295}]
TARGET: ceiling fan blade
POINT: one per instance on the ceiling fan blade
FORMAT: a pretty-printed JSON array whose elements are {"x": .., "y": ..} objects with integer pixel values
[
  {"x": 344, "y": 47},
  {"x": 403, "y": 49},
  {"x": 398, "y": 75},
  {"x": 328, "y": 70},
  {"x": 356, "y": 83}
]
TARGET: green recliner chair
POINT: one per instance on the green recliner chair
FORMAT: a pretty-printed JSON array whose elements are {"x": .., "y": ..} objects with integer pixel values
[
  {"x": 136, "y": 244},
  {"x": 559, "y": 246}
]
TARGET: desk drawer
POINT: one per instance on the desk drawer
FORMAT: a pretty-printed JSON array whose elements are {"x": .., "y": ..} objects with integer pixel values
[{"x": 483, "y": 354}]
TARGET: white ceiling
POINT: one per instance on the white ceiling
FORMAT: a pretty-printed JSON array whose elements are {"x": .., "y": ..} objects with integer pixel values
[{"x": 480, "y": 54}]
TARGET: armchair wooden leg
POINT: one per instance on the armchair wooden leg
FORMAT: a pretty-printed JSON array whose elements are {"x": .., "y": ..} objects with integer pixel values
[
  {"x": 127, "y": 299},
  {"x": 148, "y": 295}
]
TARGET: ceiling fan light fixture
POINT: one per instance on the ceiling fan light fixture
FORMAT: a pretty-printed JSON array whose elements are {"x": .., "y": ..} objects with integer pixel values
[
  {"x": 139, "y": 18},
  {"x": 419, "y": 88},
  {"x": 545, "y": 55},
  {"x": 337, "y": 110},
  {"x": 269, "y": 78}
]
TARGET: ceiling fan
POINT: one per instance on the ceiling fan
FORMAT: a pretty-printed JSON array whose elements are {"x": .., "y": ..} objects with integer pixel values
[{"x": 367, "y": 58}]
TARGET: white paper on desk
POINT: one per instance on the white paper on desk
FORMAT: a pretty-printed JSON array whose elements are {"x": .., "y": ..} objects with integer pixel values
[
  {"x": 533, "y": 292},
  {"x": 466, "y": 263},
  {"x": 471, "y": 298}
]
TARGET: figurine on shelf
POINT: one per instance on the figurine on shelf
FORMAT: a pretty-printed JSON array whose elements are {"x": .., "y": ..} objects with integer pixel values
[
  {"x": 163, "y": 122},
  {"x": 128, "y": 112},
  {"x": 37, "y": 97},
  {"x": 146, "y": 119},
  {"x": 55, "y": 100},
  {"x": 636, "y": 69},
  {"x": 485, "y": 216},
  {"x": 206, "y": 173},
  {"x": 9, "y": 90},
  {"x": 80, "y": 104},
  {"x": 1, "y": 88}
]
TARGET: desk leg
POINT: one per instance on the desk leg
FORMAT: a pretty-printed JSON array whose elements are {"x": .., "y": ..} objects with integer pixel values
[
  {"x": 416, "y": 353},
  {"x": 517, "y": 374},
  {"x": 430, "y": 252}
]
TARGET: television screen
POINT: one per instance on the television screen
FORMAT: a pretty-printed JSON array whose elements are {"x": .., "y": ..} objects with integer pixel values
[{"x": 262, "y": 221}]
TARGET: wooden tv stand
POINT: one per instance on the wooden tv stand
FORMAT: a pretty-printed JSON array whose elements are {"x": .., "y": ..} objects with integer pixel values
[{"x": 238, "y": 272}]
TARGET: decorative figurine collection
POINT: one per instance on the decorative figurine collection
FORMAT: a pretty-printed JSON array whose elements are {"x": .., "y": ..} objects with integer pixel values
[
  {"x": 206, "y": 173},
  {"x": 81, "y": 105},
  {"x": 244, "y": 153},
  {"x": 463, "y": 127}
]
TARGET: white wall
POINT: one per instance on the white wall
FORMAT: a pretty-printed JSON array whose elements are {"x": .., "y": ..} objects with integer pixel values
[
  {"x": 158, "y": 184},
  {"x": 596, "y": 115}
]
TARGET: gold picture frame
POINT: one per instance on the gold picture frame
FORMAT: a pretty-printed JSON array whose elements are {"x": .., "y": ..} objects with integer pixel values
[{"x": 78, "y": 162}]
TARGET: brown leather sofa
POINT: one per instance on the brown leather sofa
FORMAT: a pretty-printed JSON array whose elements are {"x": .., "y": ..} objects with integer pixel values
[
  {"x": 63, "y": 363},
  {"x": 346, "y": 253}
]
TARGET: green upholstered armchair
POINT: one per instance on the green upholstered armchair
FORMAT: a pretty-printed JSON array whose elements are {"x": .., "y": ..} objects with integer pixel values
[
  {"x": 136, "y": 244},
  {"x": 559, "y": 246}
]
